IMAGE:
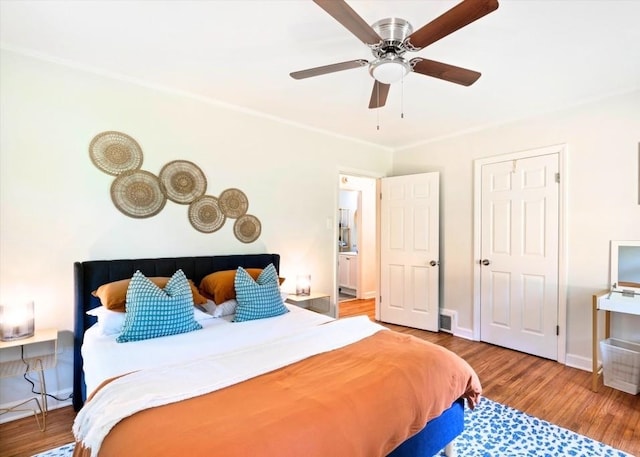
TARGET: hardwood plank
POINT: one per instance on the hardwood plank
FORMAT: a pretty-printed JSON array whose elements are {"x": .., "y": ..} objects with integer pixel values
[
  {"x": 540, "y": 387},
  {"x": 22, "y": 438}
]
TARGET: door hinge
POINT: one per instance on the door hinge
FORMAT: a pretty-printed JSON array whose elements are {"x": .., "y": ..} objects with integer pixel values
[
  {"x": 557, "y": 330},
  {"x": 558, "y": 177}
]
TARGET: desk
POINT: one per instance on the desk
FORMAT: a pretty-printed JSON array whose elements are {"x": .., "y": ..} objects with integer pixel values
[
  {"x": 32, "y": 364},
  {"x": 609, "y": 302}
]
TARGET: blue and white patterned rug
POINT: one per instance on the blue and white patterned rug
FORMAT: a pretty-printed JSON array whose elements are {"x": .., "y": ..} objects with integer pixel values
[{"x": 495, "y": 430}]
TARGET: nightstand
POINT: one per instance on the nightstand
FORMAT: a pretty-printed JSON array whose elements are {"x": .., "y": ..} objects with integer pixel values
[
  {"x": 317, "y": 301},
  {"x": 35, "y": 364}
]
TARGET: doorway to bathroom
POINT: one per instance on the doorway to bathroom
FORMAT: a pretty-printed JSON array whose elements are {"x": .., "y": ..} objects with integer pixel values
[{"x": 356, "y": 216}]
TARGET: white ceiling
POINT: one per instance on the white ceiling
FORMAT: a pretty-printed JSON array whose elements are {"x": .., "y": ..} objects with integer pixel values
[{"x": 535, "y": 56}]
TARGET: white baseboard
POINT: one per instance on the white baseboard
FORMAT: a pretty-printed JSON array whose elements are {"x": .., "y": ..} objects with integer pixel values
[
  {"x": 465, "y": 333},
  {"x": 578, "y": 361},
  {"x": 52, "y": 404}
]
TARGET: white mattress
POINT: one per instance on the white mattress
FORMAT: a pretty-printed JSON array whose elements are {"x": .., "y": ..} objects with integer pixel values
[{"x": 104, "y": 358}]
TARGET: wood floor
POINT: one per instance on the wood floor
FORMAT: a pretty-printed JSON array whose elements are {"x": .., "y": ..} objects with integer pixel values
[{"x": 539, "y": 387}]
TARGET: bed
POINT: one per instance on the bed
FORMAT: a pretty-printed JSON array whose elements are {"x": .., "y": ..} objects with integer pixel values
[{"x": 299, "y": 383}]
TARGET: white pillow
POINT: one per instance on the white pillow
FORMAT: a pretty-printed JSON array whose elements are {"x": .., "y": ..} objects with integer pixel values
[
  {"x": 225, "y": 308},
  {"x": 200, "y": 315},
  {"x": 111, "y": 322},
  {"x": 209, "y": 308},
  {"x": 228, "y": 307}
]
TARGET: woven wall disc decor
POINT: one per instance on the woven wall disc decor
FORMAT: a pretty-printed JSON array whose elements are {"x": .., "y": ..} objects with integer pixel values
[
  {"x": 233, "y": 203},
  {"x": 115, "y": 152},
  {"x": 247, "y": 228},
  {"x": 182, "y": 181},
  {"x": 137, "y": 194},
  {"x": 205, "y": 214}
]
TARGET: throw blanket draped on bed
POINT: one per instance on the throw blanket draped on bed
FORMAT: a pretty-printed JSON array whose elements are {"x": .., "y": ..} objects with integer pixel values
[{"x": 371, "y": 391}]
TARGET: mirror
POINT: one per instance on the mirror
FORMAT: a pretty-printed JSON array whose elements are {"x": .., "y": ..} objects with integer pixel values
[{"x": 625, "y": 266}]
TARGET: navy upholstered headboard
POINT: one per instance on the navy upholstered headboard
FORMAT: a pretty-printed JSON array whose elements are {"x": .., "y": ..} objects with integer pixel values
[{"x": 90, "y": 275}]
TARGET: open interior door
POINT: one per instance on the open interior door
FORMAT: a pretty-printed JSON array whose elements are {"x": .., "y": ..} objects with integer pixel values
[{"x": 409, "y": 250}]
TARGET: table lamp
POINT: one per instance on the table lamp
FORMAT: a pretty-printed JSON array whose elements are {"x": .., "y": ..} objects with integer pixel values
[
  {"x": 303, "y": 284},
  {"x": 16, "y": 321}
]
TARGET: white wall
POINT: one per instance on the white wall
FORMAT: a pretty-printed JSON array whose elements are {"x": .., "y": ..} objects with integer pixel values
[
  {"x": 602, "y": 203},
  {"x": 55, "y": 205}
]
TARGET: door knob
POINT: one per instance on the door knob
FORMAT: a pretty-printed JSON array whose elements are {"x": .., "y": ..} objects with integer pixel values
[
  {"x": 485, "y": 262},
  {"x": 433, "y": 263}
]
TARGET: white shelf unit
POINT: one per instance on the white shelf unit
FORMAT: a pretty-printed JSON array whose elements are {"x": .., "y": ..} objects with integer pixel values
[{"x": 609, "y": 302}]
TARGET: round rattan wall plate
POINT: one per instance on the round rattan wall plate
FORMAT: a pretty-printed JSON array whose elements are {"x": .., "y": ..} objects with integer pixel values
[
  {"x": 115, "y": 152},
  {"x": 247, "y": 228},
  {"x": 182, "y": 181},
  {"x": 137, "y": 194},
  {"x": 205, "y": 214},
  {"x": 233, "y": 203}
]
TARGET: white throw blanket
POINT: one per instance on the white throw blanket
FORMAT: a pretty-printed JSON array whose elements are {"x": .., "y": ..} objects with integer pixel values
[{"x": 152, "y": 387}]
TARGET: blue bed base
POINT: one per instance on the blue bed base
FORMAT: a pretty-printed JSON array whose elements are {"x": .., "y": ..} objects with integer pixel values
[{"x": 437, "y": 434}]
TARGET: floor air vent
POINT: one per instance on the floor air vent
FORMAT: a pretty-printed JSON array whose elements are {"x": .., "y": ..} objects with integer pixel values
[{"x": 445, "y": 323}]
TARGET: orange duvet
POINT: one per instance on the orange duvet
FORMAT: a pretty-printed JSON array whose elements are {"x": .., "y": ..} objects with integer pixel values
[{"x": 360, "y": 400}]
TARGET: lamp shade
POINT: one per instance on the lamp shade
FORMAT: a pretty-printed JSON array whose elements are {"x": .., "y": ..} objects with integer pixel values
[
  {"x": 389, "y": 69},
  {"x": 389, "y": 72},
  {"x": 303, "y": 284},
  {"x": 16, "y": 321}
]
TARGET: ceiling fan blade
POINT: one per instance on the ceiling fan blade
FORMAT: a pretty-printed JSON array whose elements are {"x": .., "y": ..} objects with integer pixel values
[
  {"x": 444, "y": 71},
  {"x": 317, "y": 71},
  {"x": 346, "y": 16},
  {"x": 462, "y": 14},
  {"x": 379, "y": 95}
]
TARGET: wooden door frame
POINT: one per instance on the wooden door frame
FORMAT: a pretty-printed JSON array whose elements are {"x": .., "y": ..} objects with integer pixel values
[{"x": 561, "y": 150}]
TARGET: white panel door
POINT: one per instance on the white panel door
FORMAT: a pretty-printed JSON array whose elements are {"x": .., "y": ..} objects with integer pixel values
[
  {"x": 409, "y": 255},
  {"x": 519, "y": 255}
]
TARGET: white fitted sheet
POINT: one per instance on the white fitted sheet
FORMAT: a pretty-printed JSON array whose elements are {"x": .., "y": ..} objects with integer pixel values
[{"x": 104, "y": 358}]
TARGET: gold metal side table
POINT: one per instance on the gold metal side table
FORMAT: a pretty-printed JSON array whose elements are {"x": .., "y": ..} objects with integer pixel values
[{"x": 37, "y": 364}]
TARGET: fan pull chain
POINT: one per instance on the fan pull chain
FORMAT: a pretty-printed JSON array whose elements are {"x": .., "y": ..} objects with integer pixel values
[
  {"x": 378, "y": 106},
  {"x": 402, "y": 98}
]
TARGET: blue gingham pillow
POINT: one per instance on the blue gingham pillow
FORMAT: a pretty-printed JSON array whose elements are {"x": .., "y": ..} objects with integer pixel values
[
  {"x": 153, "y": 312},
  {"x": 260, "y": 298}
]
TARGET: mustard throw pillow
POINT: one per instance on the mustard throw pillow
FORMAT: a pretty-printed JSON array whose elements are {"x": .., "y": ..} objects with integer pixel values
[
  {"x": 113, "y": 295},
  {"x": 219, "y": 286}
]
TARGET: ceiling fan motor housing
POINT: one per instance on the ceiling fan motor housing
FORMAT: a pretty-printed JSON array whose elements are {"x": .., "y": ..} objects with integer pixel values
[
  {"x": 390, "y": 66},
  {"x": 393, "y": 32}
]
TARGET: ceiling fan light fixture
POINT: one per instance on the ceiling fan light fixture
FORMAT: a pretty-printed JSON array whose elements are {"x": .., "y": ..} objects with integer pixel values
[{"x": 389, "y": 70}]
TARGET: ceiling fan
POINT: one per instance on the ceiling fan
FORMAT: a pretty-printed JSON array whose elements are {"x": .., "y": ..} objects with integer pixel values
[{"x": 390, "y": 38}]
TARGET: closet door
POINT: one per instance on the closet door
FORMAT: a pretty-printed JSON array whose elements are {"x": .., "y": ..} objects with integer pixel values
[{"x": 519, "y": 255}]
